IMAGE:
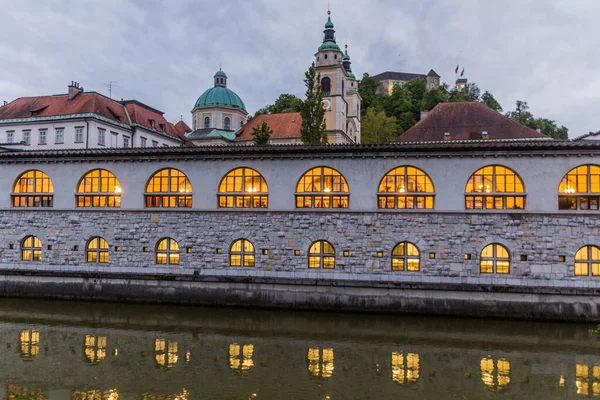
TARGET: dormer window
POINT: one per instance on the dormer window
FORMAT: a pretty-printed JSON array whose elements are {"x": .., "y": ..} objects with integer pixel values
[
  {"x": 152, "y": 124},
  {"x": 163, "y": 127}
]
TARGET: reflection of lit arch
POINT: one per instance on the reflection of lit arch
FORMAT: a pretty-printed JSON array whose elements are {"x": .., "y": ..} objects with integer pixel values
[
  {"x": 579, "y": 189},
  {"x": 243, "y": 188},
  {"x": 240, "y": 357},
  {"x": 94, "y": 349},
  {"x": 405, "y": 370},
  {"x": 322, "y": 187},
  {"x": 586, "y": 377},
  {"x": 30, "y": 343},
  {"x": 165, "y": 353},
  {"x": 406, "y": 188},
  {"x": 495, "y": 187},
  {"x": 495, "y": 375},
  {"x": 320, "y": 362}
]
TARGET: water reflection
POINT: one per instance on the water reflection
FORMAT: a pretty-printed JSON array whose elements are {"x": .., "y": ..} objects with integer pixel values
[
  {"x": 495, "y": 375},
  {"x": 30, "y": 343},
  {"x": 405, "y": 370},
  {"x": 16, "y": 392},
  {"x": 320, "y": 362},
  {"x": 183, "y": 395},
  {"x": 165, "y": 353},
  {"x": 94, "y": 349},
  {"x": 111, "y": 394},
  {"x": 586, "y": 375},
  {"x": 240, "y": 357}
]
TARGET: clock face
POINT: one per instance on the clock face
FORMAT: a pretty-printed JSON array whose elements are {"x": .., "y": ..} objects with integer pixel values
[{"x": 327, "y": 105}]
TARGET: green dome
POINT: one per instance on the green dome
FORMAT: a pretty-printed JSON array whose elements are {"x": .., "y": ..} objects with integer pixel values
[
  {"x": 351, "y": 76},
  {"x": 220, "y": 73},
  {"x": 329, "y": 24},
  {"x": 329, "y": 46},
  {"x": 346, "y": 56},
  {"x": 220, "y": 96}
]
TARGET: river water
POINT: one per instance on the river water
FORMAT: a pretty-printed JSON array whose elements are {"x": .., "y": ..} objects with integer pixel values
[{"x": 100, "y": 351}]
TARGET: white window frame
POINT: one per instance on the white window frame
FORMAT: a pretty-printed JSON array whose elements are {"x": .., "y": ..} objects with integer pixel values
[
  {"x": 79, "y": 134},
  {"x": 114, "y": 139},
  {"x": 10, "y": 136},
  {"x": 154, "y": 143},
  {"x": 27, "y": 136},
  {"x": 62, "y": 135},
  {"x": 143, "y": 141},
  {"x": 43, "y": 136},
  {"x": 101, "y": 137},
  {"x": 125, "y": 141}
]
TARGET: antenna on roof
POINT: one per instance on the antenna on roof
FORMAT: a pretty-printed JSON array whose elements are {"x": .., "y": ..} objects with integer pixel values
[{"x": 110, "y": 85}]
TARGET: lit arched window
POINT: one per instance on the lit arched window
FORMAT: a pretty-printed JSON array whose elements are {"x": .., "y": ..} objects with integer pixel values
[
  {"x": 243, "y": 188},
  {"x": 241, "y": 254},
  {"x": 405, "y": 370},
  {"x": 33, "y": 189},
  {"x": 326, "y": 86},
  {"x": 31, "y": 249},
  {"x": 500, "y": 188},
  {"x": 322, "y": 187},
  {"x": 321, "y": 255},
  {"x": 99, "y": 188},
  {"x": 406, "y": 187},
  {"x": 169, "y": 188},
  {"x": 587, "y": 261},
  {"x": 167, "y": 252},
  {"x": 97, "y": 251},
  {"x": 495, "y": 258},
  {"x": 206, "y": 122},
  {"x": 406, "y": 257},
  {"x": 495, "y": 375},
  {"x": 227, "y": 123},
  {"x": 580, "y": 189}
]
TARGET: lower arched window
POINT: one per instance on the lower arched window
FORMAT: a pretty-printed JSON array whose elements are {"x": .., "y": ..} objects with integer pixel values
[
  {"x": 587, "y": 261},
  {"x": 321, "y": 255},
  {"x": 242, "y": 254},
  {"x": 167, "y": 252},
  {"x": 31, "y": 249},
  {"x": 406, "y": 257},
  {"x": 97, "y": 251},
  {"x": 495, "y": 259}
]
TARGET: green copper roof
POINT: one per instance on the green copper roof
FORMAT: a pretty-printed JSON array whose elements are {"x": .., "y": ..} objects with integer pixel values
[
  {"x": 220, "y": 96},
  {"x": 329, "y": 24},
  {"x": 351, "y": 76},
  {"x": 211, "y": 133},
  {"x": 221, "y": 73},
  {"x": 346, "y": 56},
  {"x": 329, "y": 46}
]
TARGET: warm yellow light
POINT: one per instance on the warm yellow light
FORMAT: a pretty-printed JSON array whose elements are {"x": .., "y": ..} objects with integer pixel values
[
  {"x": 327, "y": 190},
  {"x": 118, "y": 189},
  {"x": 402, "y": 189},
  {"x": 569, "y": 189},
  {"x": 561, "y": 382}
]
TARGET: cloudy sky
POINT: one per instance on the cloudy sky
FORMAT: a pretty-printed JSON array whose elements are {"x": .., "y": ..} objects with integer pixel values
[{"x": 165, "y": 52}]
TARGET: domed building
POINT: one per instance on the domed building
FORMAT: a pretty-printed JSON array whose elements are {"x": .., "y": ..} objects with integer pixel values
[{"x": 217, "y": 114}]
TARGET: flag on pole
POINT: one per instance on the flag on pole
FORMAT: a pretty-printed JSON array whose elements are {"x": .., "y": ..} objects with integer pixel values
[
  {"x": 462, "y": 73},
  {"x": 456, "y": 72}
]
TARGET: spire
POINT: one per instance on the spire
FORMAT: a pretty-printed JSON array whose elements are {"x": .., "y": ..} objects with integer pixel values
[
  {"x": 329, "y": 31},
  {"x": 220, "y": 78},
  {"x": 346, "y": 61}
]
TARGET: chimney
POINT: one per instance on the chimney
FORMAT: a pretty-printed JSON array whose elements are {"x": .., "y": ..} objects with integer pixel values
[
  {"x": 424, "y": 113},
  {"x": 484, "y": 135},
  {"x": 74, "y": 90},
  {"x": 447, "y": 136}
]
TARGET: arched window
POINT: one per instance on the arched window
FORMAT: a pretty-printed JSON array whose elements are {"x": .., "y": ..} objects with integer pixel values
[
  {"x": 495, "y": 375},
  {"x": 580, "y": 189},
  {"x": 206, "y": 122},
  {"x": 322, "y": 187},
  {"x": 406, "y": 257},
  {"x": 99, "y": 188},
  {"x": 241, "y": 254},
  {"x": 321, "y": 255},
  {"x": 495, "y": 258},
  {"x": 326, "y": 86},
  {"x": 587, "y": 261},
  {"x": 227, "y": 123},
  {"x": 406, "y": 188},
  {"x": 31, "y": 249},
  {"x": 243, "y": 188},
  {"x": 33, "y": 189},
  {"x": 169, "y": 188},
  {"x": 167, "y": 252},
  {"x": 500, "y": 188},
  {"x": 97, "y": 251}
]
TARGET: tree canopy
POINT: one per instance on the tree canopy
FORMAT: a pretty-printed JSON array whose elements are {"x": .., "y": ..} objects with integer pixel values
[
  {"x": 378, "y": 127},
  {"x": 312, "y": 110},
  {"x": 548, "y": 127},
  {"x": 285, "y": 103},
  {"x": 261, "y": 134}
]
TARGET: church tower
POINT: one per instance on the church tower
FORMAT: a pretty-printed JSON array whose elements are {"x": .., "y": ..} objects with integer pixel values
[{"x": 333, "y": 68}]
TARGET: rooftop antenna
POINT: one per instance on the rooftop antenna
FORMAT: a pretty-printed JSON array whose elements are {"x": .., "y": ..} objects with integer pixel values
[{"x": 110, "y": 85}]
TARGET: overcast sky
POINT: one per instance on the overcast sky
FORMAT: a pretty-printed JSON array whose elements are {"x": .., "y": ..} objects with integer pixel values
[{"x": 165, "y": 53}]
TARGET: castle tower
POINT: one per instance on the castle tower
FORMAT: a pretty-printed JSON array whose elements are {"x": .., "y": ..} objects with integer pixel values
[{"x": 329, "y": 64}]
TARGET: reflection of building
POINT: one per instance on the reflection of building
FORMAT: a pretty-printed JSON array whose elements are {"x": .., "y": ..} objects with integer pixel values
[
  {"x": 95, "y": 348},
  {"x": 390, "y": 79},
  {"x": 320, "y": 362},
  {"x": 16, "y": 392},
  {"x": 587, "y": 380},
  {"x": 165, "y": 353},
  {"x": 30, "y": 343},
  {"x": 405, "y": 370},
  {"x": 111, "y": 394},
  {"x": 495, "y": 375},
  {"x": 240, "y": 357},
  {"x": 183, "y": 395}
]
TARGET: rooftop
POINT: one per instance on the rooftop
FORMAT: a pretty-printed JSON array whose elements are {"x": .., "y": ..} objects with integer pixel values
[
  {"x": 284, "y": 125},
  {"x": 398, "y": 76}
]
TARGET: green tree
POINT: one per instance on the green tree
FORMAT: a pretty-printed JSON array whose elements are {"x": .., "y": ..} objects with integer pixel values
[
  {"x": 312, "y": 110},
  {"x": 367, "y": 88},
  {"x": 488, "y": 99},
  {"x": 378, "y": 127},
  {"x": 417, "y": 89},
  {"x": 261, "y": 134},
  {"x": 285, "y": 103},
  {"x": 546, "y": 126},
  {"x": 434, "y": 97},
  {"x": 399, "y": 105},
  {"x": 471, "y": 92}
]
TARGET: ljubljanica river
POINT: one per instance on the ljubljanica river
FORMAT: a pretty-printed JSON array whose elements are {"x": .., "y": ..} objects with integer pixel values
[{"x": 84, "y": 351}]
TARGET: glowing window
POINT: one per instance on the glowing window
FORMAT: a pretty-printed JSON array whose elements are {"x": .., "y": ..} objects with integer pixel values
[
  {"x": 500, "y": 188},
  {"x": 31, "y": 249},
  {"x": 406, "y": 188},
  {"x": 97, "y": 251},
  {"x": 321, "y": 255},
  {"x": 243, "y": 188},
  {"x": 587, "y": 261},
  {"x": 405, "y": 370},
  {"x": 240, "y": 357},
  {"x": 33, "y": 189},
  {"x": 94, "y": 348},
  {"x": 165, "y": 353},
  {"x": 406, "y": 257},
  {"x": 320, "y": 362},
  {"x": 495, "y": 375},
  {"x": 169, "y": 188},
  {"x": 98, "y": 188},
  {"x": 495, "y": 258},
  {"x": 167, "y": 252},
  {"x": 30, "y": 343},
  {"x": 241, "y": 254},
  {"x": 580, "y": 189},
  {"x": 322, "y": 187},
  {"x": 586, "y": 375}
]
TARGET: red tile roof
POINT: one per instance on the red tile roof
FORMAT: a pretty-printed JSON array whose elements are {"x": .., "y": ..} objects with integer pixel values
[
  {"x": 466, "y": 121},
  {"x": 182, "y": 128},
  {"x": 142, "y": 114},
  {"x": 285, "y": 125}
]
